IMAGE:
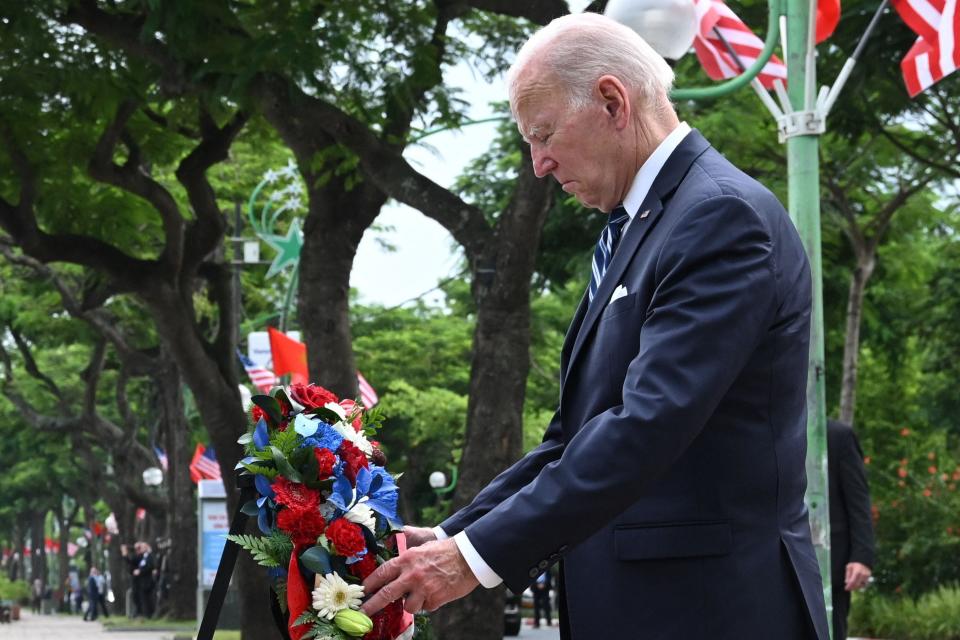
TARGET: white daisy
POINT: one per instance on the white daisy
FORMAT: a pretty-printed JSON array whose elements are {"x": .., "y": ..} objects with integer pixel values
[
  {"x": 333, "y": 594},
  {"x": 363, "y": 516}
]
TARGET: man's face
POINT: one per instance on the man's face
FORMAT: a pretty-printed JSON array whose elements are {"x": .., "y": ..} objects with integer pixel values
[{"x": 575, "y": 147}]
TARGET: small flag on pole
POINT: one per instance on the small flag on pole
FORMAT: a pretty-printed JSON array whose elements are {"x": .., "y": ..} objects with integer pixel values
[
  {"x": 261, "y": 377},
  {"x": 367, "y": 395},
  {"x": 204, "y": 464},
  {"x": 162, "y": 457},
  {"x": 936, "y": 53},
  {"x": 713, "y": 54},
  {"x": 289, "y": 356}
]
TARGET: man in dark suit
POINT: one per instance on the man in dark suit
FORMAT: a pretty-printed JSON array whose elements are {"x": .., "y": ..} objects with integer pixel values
[
  {"x": 851, "y": 525},
  {"x": 670, "y": 481}
]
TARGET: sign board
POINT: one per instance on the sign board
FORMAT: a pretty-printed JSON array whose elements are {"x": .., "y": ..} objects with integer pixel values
[
  {"x": 258, "y": 347},
  {"x": 214, "y": 527}
]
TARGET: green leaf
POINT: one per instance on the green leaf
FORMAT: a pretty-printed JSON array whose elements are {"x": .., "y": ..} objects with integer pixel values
[
  {"x": 250, "y": 508},
  {"x": 317, "y": 559},
  {"x": 259, "y": 548},
  {"x": 284, "y": 466},
  {"x": 270, "y": 406}
]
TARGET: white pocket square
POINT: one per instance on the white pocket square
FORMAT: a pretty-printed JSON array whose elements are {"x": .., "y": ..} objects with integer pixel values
[{"x": 618, "y": 293}]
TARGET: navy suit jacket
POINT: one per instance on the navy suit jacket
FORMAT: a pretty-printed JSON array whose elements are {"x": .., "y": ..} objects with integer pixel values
[{"x": 670, "y": 480}]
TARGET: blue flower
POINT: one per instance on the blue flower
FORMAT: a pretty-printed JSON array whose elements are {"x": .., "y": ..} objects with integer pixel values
[
  {"x": 381, "y": 492},
  {"x": 325, "y": 437}
]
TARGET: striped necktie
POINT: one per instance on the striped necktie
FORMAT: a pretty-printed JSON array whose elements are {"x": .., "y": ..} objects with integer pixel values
[{"x": 603, "y": 254}]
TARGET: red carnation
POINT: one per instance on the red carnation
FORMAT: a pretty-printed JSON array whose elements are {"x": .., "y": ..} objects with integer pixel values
[
  {"x": 311, "y": 396},
  {"x": 354, "y": 459},
  {"x": 256, "y": 413},
  {"x": 346, "y": 537},
  {"x": 364, "y": 567},
  {"x": 295, "y": 495},
  {"x": 304, "y": 525},
  {"x": 325, "y": 462}
]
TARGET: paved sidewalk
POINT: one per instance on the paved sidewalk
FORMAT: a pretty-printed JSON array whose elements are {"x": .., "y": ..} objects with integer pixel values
[{"x": 56, "y": 627}]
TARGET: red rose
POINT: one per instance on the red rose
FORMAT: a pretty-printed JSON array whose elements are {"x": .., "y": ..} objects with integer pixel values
[
  {"x": 325, "y": 462},
  {"x": 304, "y": 525},
  {"x": 346, "y": 537},
  {"x": 311, "y": 396},
  {"x": 364, "y": 567},
  {"x": 295, "y": 495},
  {"x": 354, "y": 460}
]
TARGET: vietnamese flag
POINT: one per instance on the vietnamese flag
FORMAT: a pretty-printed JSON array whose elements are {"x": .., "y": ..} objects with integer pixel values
[
  {"x": 828, "y": 15},
  {"x": 289, "y": 356}
]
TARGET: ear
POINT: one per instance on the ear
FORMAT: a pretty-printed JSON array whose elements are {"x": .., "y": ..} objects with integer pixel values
[{"x": 616, "y": 100}]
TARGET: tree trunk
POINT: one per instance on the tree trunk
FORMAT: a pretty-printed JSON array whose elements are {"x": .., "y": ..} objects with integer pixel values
[
  {"x": 38, "y": 551},
  {"x": 866, "y": 262},
  {"x": 330, "y": 246},
  {"x": 64, "y": 520},
  {"x": 215, "y": 387},
  {"x": 498, "y": 377},
  {"x": 181, "y": 556}
]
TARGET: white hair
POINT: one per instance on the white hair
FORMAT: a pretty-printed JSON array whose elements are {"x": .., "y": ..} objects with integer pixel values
[{"x": 578, "y": 49}]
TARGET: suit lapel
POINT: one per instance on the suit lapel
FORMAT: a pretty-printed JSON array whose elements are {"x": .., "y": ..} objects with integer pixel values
[{"x": 646, "y": 217}]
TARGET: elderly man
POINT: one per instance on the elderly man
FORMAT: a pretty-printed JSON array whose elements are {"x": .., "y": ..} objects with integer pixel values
[{"x": 670, "y": 481}]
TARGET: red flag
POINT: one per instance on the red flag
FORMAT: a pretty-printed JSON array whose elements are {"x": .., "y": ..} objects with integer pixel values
[
  {"x": 936, "y": 53},
  {"x": 289, "y": 356},
  {"x": 713, "y": 54},
  {"x": 828, "y": 15},
  {"x": 298, "y": 597}
]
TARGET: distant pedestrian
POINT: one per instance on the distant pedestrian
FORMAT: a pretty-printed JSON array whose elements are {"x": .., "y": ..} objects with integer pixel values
[
  {"x": 96, "y": 595},
  {"x": 541, "y": 599},
  {"x": 37, "y": 595}
]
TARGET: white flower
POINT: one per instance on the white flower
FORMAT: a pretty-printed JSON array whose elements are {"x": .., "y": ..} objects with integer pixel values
[
  {"x": 355, "y": 437},
  {"x": 362, "y": 515},
  {"x": 332, "y": 594}
]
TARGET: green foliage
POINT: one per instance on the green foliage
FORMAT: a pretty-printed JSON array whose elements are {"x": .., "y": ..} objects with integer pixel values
[
  {"x": 269, "y": 551},
  {"x": 16, "y": 590},
  {"x": 933, "y": 616}
]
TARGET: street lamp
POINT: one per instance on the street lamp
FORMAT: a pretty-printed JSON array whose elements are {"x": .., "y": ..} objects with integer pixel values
[
  {"x": 668, "y": 26},
  {"x": 152, "y": 477}
]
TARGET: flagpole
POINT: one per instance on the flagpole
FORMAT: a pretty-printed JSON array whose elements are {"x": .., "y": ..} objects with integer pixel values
[{"x": 801, "y": 130}]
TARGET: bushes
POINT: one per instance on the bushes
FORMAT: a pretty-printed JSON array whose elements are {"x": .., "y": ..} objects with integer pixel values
[
  {"x": 933, "y": 616},
  {"x": 18, "y": 590}
]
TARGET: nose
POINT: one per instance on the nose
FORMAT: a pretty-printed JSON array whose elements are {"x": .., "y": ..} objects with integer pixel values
[{"x": 542, "y": 163}]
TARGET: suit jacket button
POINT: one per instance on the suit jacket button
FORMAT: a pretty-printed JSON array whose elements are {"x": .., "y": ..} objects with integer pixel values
[
  {"x": 533, "y": 573},
  {"x": 543, "y": 564}
]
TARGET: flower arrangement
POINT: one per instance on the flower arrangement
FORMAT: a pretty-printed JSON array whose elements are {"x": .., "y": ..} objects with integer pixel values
[{"x": 327, "y": 508}]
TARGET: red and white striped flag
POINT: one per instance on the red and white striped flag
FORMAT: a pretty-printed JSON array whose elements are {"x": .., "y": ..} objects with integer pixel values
[
  {"x": 936, "y": 53},
  {"x": 713, "y": 54},
  {"x": 204, "y": 464},
  {"x": 367, "y": 395},
  {"x": 261, "y": 377}
]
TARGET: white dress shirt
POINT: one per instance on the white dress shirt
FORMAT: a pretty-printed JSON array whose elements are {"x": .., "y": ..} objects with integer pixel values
[{"x": 631, "y": 203}]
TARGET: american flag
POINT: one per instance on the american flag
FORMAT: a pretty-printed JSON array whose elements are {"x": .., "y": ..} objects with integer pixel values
[
  {"x": 936, "y": 53},
  {"x": 713, "y": 54},
  {"x": 162, "y": 457},
  {"x": 204, "y": 464},
  {"x": 261, "y": 377},
  {"x": 367, "y": 395}
]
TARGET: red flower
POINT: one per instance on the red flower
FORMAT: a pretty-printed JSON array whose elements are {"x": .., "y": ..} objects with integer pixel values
[
  {"x": 295, "y": 495},
  {"x": 866, "y": 460},
  {"x": 256, "y": 413},
  {"x": 902, "y": 472},
  {"x": 346, "y": 537},
  {"x": 364, "y": 567},
  {"x": 304, "y": 525},
  {"x": 927, "y": 493},
  {"x": 325, "y": 462},
  {"x": 904, "y": 432},
  {"x": 932, "y": 469},
  {"x": 354, "y": 459},
  {"x": 311, "y": 396}
]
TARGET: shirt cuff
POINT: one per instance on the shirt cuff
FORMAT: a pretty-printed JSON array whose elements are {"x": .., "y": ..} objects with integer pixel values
[
  {"x": 440, "y": 533},
  {"x": 487, "y": 576}
]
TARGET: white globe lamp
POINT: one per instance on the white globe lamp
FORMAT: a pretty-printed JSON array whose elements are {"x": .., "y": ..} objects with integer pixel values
[{"x": 669, "y": 26}]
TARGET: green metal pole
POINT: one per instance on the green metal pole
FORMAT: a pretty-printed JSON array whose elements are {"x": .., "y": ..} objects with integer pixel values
[{"x": 803, "y": 175}]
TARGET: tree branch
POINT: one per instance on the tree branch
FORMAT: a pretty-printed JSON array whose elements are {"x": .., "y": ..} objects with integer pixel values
[
  {"x": 538, "y": 11},
  {"x": 30, "y": 364}
]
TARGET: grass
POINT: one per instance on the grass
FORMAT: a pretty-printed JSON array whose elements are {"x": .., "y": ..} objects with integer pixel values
[
  {"x": 217, "y": 635},
  {"x": 159, "y": 624}
]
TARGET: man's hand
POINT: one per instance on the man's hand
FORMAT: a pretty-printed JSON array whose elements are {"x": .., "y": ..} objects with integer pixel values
[
  {"x": 417, "y": 536},
  {"x": 856, "y": 576},
  {"x": 428, "y": 576}
]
